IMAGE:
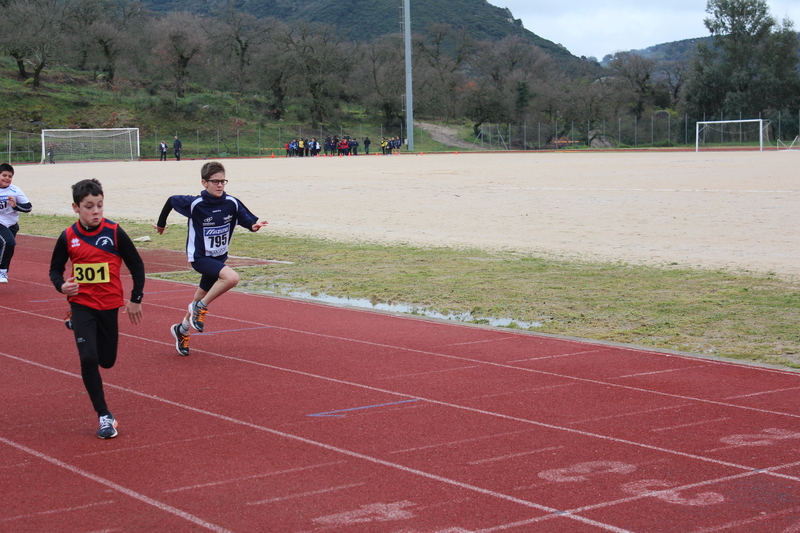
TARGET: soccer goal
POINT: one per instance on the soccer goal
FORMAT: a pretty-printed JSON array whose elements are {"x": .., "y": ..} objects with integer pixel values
[
  {"x": 113, "y": 144},
  {"x": 794, "y": 145},
  {"x": 715, "y": 134}
]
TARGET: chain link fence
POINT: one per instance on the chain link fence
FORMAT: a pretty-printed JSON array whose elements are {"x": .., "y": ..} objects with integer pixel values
[
  {"x": 657, "y": 130},
  {"x": 660, "y": 129}
]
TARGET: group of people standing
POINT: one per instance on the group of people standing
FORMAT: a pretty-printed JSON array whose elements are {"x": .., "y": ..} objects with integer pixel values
[
  {"x": 330, "y": 146},
  {"x": 177, "y": 146},
  {"x": 335, "y": 146}
]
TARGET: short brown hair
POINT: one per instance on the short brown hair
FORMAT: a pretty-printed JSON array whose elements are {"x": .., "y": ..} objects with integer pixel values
[
  {"x": 85, "y": 188},
  {"x": 211, "y": 168}
]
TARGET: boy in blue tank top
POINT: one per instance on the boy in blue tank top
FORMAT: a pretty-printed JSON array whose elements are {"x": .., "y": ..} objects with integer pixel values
[{"x": 213, "y": 215}]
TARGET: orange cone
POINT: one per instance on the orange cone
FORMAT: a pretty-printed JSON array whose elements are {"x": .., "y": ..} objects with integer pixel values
[{"x": 273, "y": 155}]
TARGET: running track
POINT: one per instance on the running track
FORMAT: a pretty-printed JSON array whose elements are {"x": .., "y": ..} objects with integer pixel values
[{"x": 291, "y": 416}]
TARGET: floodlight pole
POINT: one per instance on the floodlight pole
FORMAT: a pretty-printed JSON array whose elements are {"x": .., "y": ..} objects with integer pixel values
[{"x": 409, "y": 95}]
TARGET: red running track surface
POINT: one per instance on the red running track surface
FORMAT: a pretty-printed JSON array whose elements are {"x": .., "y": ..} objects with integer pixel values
[{"x": 293, "y": 416}]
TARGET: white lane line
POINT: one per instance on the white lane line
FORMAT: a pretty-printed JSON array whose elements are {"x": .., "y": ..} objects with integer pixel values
[{"x": 119, "y": 488}]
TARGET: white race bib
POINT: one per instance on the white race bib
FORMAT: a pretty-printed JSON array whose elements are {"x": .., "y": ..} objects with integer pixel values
[{"x": 216, "y": 240}]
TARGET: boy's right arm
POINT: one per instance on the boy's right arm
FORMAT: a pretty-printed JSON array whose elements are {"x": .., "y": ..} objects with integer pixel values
[
  {"x": 161, "y": 225},
  {"x": 59, "y": 261}
]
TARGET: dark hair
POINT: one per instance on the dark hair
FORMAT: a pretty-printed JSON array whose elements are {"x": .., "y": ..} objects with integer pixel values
[
  {"x": 85, "y": 188},
  {"x": 6, "y": 166},
  {"x": 211, "y": 168}
]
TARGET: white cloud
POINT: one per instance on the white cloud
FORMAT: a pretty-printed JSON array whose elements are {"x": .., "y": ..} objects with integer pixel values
[{"x": 596, "y": 28}]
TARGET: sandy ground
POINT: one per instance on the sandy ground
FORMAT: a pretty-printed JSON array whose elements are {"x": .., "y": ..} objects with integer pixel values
[{"x": 738, "y": 210}]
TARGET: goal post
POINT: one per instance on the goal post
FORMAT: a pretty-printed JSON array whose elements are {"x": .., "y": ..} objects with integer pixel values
[
  {"x": 731, "y": 132},
  {"x": 110, "y": 144}
]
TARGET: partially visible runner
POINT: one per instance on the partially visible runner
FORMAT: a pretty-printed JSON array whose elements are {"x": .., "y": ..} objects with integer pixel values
[
  {"x": 97, "y": 247},
  {"x": 12, "y": 202},
  {"x": 213, "y": 215}
]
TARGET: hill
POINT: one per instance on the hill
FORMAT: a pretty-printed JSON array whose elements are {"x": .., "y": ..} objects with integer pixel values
[
  {"x": 365, "y": 20},
  {"x": 674, "y": 51}
]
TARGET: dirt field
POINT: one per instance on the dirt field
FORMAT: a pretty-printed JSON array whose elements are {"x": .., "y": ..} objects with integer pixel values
[{"x": 737, "y": 210}]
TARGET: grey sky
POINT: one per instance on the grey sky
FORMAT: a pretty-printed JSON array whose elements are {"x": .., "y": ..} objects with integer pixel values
[{"x": 599, "y": 27}]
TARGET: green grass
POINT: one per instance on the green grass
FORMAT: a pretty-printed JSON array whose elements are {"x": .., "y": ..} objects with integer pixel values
[{"x": 729, "y": 314}]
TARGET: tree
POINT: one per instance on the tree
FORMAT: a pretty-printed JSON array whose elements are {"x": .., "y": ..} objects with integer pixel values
[
  {"x": 32, "y": 30},
  {"x": 674, "y": 74},
  {"x": 321, "y": 61},
  {"x": 179, "y": 39},
  {"x": 504, "y": 77},
  {"x": 380, "y": 76},
  {"x": 635, "y": 73},
  {"x": 441, "y": 57},
  {"x": 238, "y": 36},
  {"x": 750, "y": 64}
]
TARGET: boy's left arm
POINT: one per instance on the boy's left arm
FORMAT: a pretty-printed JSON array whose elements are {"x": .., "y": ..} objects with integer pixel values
[
  {"x": 20, "y": 202},
  {"x": 248, "y": 220},
  {"x": 130, "y": 255},
  {"x": 258, "y": 225}
]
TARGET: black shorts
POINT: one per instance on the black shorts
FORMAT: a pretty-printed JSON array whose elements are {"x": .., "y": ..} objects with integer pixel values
[{"x": 209, "y": 269}]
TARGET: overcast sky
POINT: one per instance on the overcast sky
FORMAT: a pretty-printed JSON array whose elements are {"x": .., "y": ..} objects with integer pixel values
[{"x": 600, "y": 27}]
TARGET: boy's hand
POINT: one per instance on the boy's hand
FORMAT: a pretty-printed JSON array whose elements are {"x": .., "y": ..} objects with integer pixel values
[
  {"x": 134, "y": 312},
  {"x": 70, "y": 288},
  {"x": 12, "y": 201},
  {"x": 258, "y": 225},
  {"x": 160, "y": 231}
]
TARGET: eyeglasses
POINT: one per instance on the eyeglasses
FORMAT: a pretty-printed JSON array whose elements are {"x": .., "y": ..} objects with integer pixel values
[{"x": 218, "y": 182}]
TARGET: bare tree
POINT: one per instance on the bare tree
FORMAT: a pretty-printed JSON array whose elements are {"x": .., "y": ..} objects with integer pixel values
[
  {"x": 275, "y": 67},
  {"x": 674, "y": 74},
  {"x": 180, "y": 38},
  {"x": 238, "y": 36},
  {"x": 321, "y": 60},
  {"x": 380, "y": 76},
  {"x": 32, "y": 30},
  {"x": 635, "y": 73},
  {"x": 443, "y": 53}
]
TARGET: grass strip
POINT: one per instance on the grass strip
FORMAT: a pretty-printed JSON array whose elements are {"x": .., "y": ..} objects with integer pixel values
[{"x": 741, "y": 315}]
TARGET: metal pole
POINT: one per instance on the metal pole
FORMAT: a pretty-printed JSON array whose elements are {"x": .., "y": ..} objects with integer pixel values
[{"x": 409, "y": 88}]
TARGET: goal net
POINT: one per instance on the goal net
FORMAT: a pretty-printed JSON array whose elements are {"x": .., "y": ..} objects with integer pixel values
[
  {"x": 114, "y": 144},
  {"x": 794, "y": 145},
  {"x": 716, "y": 134}
]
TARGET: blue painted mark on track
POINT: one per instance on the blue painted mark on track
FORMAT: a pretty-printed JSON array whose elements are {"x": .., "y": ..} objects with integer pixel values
[{"x": 335, "y": 415}]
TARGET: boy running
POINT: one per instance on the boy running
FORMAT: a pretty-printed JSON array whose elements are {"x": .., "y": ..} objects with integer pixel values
[
  {"x": 97, "y": 247},
  {"x": 12, "y": 202},
  {"x": 213, "y": 215}
]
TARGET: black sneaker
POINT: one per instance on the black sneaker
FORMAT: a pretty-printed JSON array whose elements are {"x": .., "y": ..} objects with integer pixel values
[
  {"x": 198, "y": 315},
  {"x": 181, "y": 340},
  {"x": 68, "y": 320},
  {"x": 108, "y": 427}
]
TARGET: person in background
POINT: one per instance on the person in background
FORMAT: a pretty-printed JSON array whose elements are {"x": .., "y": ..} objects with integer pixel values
[
  {"x": 177, "y": 146},
  {"x": 12, "y": 202},
  {"x": 162, "y": 150}
]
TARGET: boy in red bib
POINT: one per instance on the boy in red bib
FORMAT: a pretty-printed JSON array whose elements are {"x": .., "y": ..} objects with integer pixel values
[{"x": 97, "y": 248}]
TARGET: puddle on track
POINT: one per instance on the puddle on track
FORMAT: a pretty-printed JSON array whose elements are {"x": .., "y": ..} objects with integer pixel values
[{"x": 405, "y": 308}]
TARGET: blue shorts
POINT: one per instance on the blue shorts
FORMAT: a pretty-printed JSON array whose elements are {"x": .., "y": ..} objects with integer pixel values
[{"x": 209, "y": 269}]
